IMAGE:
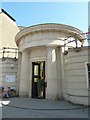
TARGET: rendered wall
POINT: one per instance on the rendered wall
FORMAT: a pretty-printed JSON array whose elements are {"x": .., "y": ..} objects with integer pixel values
[
  {"x": 75, "y": 76},
  {"x": 8, "y": 32}
]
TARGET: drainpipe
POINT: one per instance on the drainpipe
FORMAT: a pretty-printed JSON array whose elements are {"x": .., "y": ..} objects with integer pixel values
[{"x": 88, "y": 36}]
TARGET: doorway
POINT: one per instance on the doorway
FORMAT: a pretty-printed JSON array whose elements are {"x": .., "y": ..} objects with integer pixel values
[{"x": 38, "y": 79}]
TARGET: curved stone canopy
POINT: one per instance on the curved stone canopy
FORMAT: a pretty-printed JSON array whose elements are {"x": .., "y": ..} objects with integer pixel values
[{"x": 36, "y": 32}]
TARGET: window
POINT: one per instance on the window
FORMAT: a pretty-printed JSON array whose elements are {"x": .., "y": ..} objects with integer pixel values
[{"x": 87, "y": 65}]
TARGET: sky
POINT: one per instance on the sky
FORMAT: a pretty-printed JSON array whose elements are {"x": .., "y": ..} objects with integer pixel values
[{"x": 32, "y": 13}]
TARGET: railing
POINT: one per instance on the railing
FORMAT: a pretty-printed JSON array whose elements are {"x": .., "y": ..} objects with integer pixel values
[
  {"x": 74, "y": 43},
  {"x": 7, "y": 52}
]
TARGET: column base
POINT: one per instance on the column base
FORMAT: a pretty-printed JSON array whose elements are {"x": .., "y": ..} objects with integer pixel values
[{"x": 23, "y": 94}]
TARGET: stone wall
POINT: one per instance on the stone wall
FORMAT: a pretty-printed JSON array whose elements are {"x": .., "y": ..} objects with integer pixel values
[
  {"x": 75, "y": 76},
  {"x": 8, "y": 73}
]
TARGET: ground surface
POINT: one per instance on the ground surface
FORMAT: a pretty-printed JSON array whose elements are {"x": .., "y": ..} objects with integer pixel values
[{"x": 38, "y": 108}]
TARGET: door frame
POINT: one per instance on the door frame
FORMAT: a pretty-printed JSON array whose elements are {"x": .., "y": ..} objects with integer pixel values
[{"x": 37, "y": 76}]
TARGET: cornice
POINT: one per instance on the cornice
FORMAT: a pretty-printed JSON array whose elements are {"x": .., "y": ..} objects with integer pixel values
[{"x": 50, "y": 27}]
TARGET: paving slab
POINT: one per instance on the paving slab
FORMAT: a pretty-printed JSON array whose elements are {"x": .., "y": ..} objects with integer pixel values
[{"x": 41, "y": 108}]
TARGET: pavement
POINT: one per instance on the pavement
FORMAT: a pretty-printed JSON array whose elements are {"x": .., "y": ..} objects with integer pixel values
[{"x": 40, "y": 108}]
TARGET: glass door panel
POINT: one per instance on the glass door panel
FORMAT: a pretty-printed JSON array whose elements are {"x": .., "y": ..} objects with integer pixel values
[{"x": 38, "y": 79}]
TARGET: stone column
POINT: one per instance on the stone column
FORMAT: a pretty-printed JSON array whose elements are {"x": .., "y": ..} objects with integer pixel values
[
  {"x": 30, "y": 82},
  {"x": 62, "y": 75},
  {"x": 19, "y": 71},
  {"x": 51, "y": 75},
  {"x": 59, "y": 72},
  {"x": 25, "y": 74}
]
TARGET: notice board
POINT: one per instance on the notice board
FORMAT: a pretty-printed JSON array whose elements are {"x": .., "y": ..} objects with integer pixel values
[{"x": 10, "y": 78}]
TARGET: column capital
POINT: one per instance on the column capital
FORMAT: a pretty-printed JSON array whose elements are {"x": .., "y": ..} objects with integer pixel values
[{"x": 51, "y": 46}]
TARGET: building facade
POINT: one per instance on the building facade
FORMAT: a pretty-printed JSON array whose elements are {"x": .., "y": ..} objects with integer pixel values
[
  {"x": 8, "y": 51},
  {"x": 41, "y": 57},
  {"x": 44, "y": 61},
  {"x": 77, "y": 76}
]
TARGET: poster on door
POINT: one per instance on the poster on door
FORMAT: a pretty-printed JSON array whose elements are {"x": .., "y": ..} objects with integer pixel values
[{"x": 10, "y": 78}]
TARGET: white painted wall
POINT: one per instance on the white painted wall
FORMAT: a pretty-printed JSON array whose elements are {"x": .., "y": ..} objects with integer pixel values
[{"x": 7, "y": 32}]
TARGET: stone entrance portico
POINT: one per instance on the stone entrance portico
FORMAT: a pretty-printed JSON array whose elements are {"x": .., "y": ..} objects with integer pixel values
[{"x": 43, "y": 43}]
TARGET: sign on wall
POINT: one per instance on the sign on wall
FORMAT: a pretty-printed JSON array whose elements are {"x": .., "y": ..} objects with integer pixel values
[{"x": 10, "y": 78}]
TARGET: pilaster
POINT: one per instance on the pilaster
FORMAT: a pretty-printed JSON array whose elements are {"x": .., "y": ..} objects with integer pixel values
[{"x": 25, "y": 74}]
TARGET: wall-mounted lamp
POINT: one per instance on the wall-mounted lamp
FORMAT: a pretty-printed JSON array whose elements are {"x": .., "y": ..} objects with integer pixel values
[{"x": 65, "y": 52}]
